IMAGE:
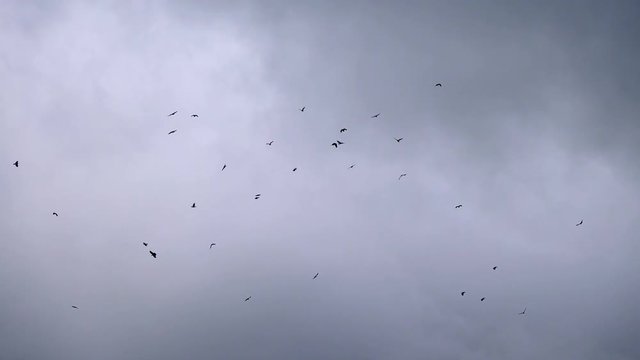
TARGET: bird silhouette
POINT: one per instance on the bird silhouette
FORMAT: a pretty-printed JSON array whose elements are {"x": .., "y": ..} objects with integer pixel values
[
  {"x": 523, "y": 311},
  {"x": 15, "y": 164},
  {"x": 302, "y": 110},
  {"x": 343, "y": 130},
  {"x": 73, "y": 306},
  {"x": 335, "y": 144},
  {"x": 495, "y": 267},
  {"x": 212, "y": 244},
  {"x": 398, "y": 140},
  {"x": 294, "y": 169},
  {"x": 194, "y": 115},
  {"x": 247, "y": 299},
  {"x": 223, "y": 167},
  {"x": 55, "y": 214},
  {"x": 438, "y": 84},
  {"x": 339, "y": 142},
  {"x": 257, "y": 196},
  {"x": 458, "y": 206},
  {"x": 351, "y": 166},
  {"x": 316, "y": 275},
  {"x": 580, "y": 223},
  {"x": 270, "y": 142},
  {"x": 152, "y": 254},
  {"x": 401, "y": 175},
  {"x": 462, "y": 293},
  {"x": 482, "y": 299},
  {"x": 173, "y": 113},
  {"x": 193, "y": 205},
  {"x": 376, "y": 115},
  {"x": 172, "y": 131},
  {"x": 145, "y": 244}
]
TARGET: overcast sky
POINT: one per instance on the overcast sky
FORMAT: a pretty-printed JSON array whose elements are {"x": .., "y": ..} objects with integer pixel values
[{"x": 535, "y": 127}]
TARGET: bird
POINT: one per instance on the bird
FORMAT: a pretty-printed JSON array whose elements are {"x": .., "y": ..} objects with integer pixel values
[
  {"x": 339, "y": 142},
  {"x": 193, "y": 205},
  {"x": 398, "y": 140},
  {"x": 482, "y": 299},
  {"x": 458, "y": 206},
  {"x": 73, "y": 306},
  {"x": 223, "y": 167},
  {"x": 257, "y": 196},
  {"x": 145, "y": 244},
  {"x": 523, "y": 311},
  {"x": 173, "y": 113},
  {"x": 171, "y": 132},
  {"x": 401, "y": 175},
  {"x": 55, "y": 214},
  {"x": 351, "y": 166},
  {"x": 152, "y": 254},
  {"x": 294, "y": 169},
  {"x": 438, "y": 84},
  {"x": 15, "y": 164},
  {"x": 343, "y": 130},
  {"x": 334, "y": 144},
  {"x": 247, "y": 299},
  {"x": 462, "y": 293},
  {"x": 495, "y": 267},
  {"x": 270, "y": 142},
  {"x": 194, "y": 115},
  {"x": 376, "y": 115},
  {"x": 580, "y": 223},
  {"x": 212, "y": 244},
  {"x": 302, "y": 110},
  {"x": 316, "y": 275}
]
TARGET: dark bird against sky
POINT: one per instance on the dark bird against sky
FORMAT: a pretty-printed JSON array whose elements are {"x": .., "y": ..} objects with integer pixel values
[
  {"x": 401, "y": 176},
  {"x": 302, "y": 109},
  {"x": 212, "y": 244},
  {"x": 193, "y": 205},
  {"x": 173, "y": 113},
  {"x": 172, "y": 131},
  {"x": 15, "y": 164},
  {"x": 440, "y": 85},
  {"x": 194, "y": 115},
  {"x": 247, "y": 299},
  {"x": 55, "y": 214},
  {"x": 580, "y": 223},
  {"x": 398, "y": 140},
  {"x": 224, "y": 167},
  {"x": 270, "y": 142},
  {"x": 145, "y": 244},
  {"x": 523, "y": 311},
  {"x": 458, "y": 206},
  {"x": 376, "y": 115},
  {"x": 316, "y": 275},
  {"x": 152, "y": 254},
  {"x": 343, "y": 130}
]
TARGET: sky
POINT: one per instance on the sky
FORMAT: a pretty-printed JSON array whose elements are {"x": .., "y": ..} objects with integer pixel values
[{"x": 534, "y": 129}]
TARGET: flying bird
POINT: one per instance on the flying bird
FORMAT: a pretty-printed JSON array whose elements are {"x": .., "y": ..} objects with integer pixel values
[
  {"x": 173, "y": 113},
  {"x": 316, "y": 275},
  {"x": 335, "y": 144},
  {"x": 194, "y": 115},
  {"x": 270, "y": 142},
  {"x": 462, "y": 293},
  {"x": 523, "y": 311},
  {"x": 212, "y": 244},
  {"x": 152, "y": 254},
  {"x": 398, "y": 140},
  {"x": 73, "y": 306},
  {"x": 495, "y": 267},
  {"x": 351, "y": 166},
  {"x": 376, "y": 115},
  {"x": 145, "y": 244},
  {"x": 172, "y": 131},
  {"x": 401, "y": 175},
  {"x": 580, "y": 223},
  {"x": 343, "y": 130},
  {"x": 294, "y": 169},
  {"x": 257, "y": 196},
  {"x": 223, "y": 167},
  {"x": 482, "y": 299},
  {"x": 247, "y": 299},
  {"x": 193, "y": 205},
  {"x": 438, "y": 84},
  {"x": 55, "y": 214},
  {"x": 15, "y": 164},
  {"x": 339, "y": 142},
  {"x": 302, "y": 110},
  {"x": 458, "y": 206}
]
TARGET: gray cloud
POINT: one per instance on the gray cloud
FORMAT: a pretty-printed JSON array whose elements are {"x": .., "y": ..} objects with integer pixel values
[{"x": 534, "y": 129}]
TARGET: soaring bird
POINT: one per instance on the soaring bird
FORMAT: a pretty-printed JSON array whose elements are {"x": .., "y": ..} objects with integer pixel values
[
  {"x": 270, "y": 142},
  {"x": 462, "y": 293},
  {"x": 223, "y": 167},
  {"x": 398, "y": 140},
  {"x": 193, "y": 205},
  {"x": 294, "y": 169},
  {"x": 173, "y": 113},
  {"x": 316, "y": 275},
  {"x": 458, "y": 206},
  {"x": 171, "y": 132},
  {"x": 302, "y": 110},
  {"x": 257, "y": 196},
  {"x": 194, "y": 115},
  {"x": 145, "y": 244},
  {"x": 55, "y": 214},
  {"x": 343, "y": 130},
  {"x": 334, "y": 144},
  {"x": 438, "y": 84},
  {"x": 212, "y": 244},
  {"x": 339, "y": 142},
  {"x": 523, "y": 311},
  {"x": 580, "y": 223},
  {"x": 376, "y": 115},
  {"x": 495, "y": 267},
  {"x": 15, "y": 164},
  {"x": 482, "y": 299},
  {"x": 247, "y": 299},
  {"x": 73, "y": 306},
  {"x": 152, "y": 254},
  {"x": 401, "y": 175},
  {"x": 351, "y": 166}
]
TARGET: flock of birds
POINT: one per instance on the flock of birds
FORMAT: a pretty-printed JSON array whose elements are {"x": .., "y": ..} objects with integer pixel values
[{"x": 257, "y": 196}]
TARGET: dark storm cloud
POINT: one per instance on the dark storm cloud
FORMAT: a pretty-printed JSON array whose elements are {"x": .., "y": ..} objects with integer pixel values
[{"x": 535, "y": 128}]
